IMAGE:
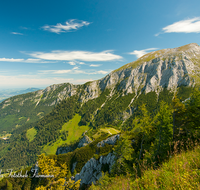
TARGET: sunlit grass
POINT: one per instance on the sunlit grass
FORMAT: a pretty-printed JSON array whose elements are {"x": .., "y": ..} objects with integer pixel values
[
  {"x": 74, "y": 133},
  {"x": 31, "y": 133}
]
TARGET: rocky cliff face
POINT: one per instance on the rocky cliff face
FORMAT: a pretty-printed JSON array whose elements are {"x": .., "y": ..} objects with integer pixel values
[
  {"x": 92, "y": 170},
  {"x": 168, "y": 68}
]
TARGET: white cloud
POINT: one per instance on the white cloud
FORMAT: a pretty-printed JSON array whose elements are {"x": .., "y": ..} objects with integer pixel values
[
  {"x": 11, "y": 60},
  {"x": 74, "y": 70},
  {"x": 68, "y": 26},
  {"x": 76, "y": 62},
  {"x": 35, "y": 81},
  {"x": 76, "y": 55},
  {"x": 102, "y": 72},
  {"x": 72, "y": 63},
  {"x": 37, "y": 61},
  {"x": 140, "y": 53},
  {"x": 94, "y": 65},
  {"x": 25, "y": 60},
  {"x": 184, "y": 26},
  {"x": 17, "y": 33}
]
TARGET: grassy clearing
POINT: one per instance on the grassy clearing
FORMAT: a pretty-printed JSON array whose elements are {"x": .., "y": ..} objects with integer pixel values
[
  {"x": 5, "y": 135},
  {"x": 31, "y": 133},
  {"x": 74, "y": 133},
  {"x": 110, "y": 130},
  {"x": 182, "y": 171}
]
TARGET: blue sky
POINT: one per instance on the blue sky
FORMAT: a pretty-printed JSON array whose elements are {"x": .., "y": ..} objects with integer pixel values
[{"x": 51, "y": 42}]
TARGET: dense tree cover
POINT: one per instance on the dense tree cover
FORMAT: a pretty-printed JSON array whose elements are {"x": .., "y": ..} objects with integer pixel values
[
  {"x": 111, "y": 112},
  {"x": 154, "y": 136},
  {"x": 24, "y": 109},
  {"x": 88, "y": 109},
  {"x": 48, "y": 130},
  {"x": 148, "y": 135},
  {"x": 59, "y": 166}
]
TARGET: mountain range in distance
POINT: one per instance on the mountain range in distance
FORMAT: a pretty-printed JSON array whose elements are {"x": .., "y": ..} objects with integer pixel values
[{"x": 6, "y": 93}]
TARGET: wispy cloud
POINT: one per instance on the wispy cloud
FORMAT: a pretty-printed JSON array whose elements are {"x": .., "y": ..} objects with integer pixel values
[
  {"x": 24, "y": 28},
  {"x": 95, "y": 65},
  {"x": 72, "y": 63},
  {"x": 74, "y": 70},
  {"x": 140, "y": 53},
  {"x": 183, "y": 26},
  {"x": 11, "y": 60},
  {"x": 25, "y": 60},
  {"x": 17, "y": 33},
  {"x": 102, "y": 72},
  {"x": 70, "y": 25},
  {"x": 76, "y": 62},
  {"x": 36, "y": 81},
  {"x": 77, "y": 55}
]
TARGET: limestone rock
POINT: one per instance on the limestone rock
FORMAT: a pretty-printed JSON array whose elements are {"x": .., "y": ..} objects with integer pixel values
[
  {"x": 84, "y": 141},
  {"x": 111, "y": 140},
  {"x": 91, "y": 171}
]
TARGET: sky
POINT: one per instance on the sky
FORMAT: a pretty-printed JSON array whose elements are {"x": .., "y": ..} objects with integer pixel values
[{"x": 50, "y": 42}]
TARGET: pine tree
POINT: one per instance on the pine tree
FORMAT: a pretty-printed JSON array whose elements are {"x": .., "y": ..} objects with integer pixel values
[
  {"x": 163, "y": 122},
  {"x": 143, "y": 125},
  {"x": 123, "y": 152}
]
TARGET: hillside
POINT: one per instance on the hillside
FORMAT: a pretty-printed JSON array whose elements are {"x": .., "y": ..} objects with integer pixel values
[
  {"x": 30, "y": 107},
  {"x": 6, "y": 93},
  {"x": 113, "y": 103}
]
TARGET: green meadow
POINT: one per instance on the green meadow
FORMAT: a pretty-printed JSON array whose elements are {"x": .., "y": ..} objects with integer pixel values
[{"x": 74, "y": 132}]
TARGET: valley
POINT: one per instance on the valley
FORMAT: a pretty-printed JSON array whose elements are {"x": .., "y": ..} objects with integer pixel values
[{"x": 135, "y": 115}]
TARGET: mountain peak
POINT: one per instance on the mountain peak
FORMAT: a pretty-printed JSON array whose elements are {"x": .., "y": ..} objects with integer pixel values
[{"x": 193, "y": 49}]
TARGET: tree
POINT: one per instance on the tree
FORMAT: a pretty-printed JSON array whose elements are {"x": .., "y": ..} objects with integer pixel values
[
  {"x": 179, "y": 117},
  {"x": 48, "y": 166},
  {"x": 123, "y": 152},
  {"x": 163, "y": 122},
  {"x": 143, "y": 125}
]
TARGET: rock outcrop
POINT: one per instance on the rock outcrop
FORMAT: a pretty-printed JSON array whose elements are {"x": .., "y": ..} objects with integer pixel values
[
  {"x": 92, "y": 170},
  {"x": 111, "y": 140},
  {"x": 84, "y": 141}
]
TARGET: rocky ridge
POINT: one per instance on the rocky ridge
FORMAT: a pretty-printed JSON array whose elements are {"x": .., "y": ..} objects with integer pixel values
[{"x": 167, "y": 68}]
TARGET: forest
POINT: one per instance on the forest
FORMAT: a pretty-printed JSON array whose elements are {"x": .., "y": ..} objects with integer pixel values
[{"x": 152, "y": 136}]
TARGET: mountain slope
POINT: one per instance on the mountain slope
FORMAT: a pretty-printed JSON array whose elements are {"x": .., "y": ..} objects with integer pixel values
[
  {"x": 5, "y": 94},
  {"x": 26, "y": 108},
  {"x": 112, "y": 100}
]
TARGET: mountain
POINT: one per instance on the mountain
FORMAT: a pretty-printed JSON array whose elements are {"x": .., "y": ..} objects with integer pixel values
[
  {"x": 6, "y": 93},
  {"x": 26, "y": 108},
  {"x": 40, "y": 121}
]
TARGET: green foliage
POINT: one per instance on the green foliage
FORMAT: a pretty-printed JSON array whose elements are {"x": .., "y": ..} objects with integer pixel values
[
  {"x": 70, "y": 133},
  {"x": 48, "y": 130},
  {"x": 88, "y": 109},
  {"x": 123, "y": 152},
  {"x": 111, "y": 112},
  {"x": 163, "y": 123},
  {"x": 30, "y": 134}
]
